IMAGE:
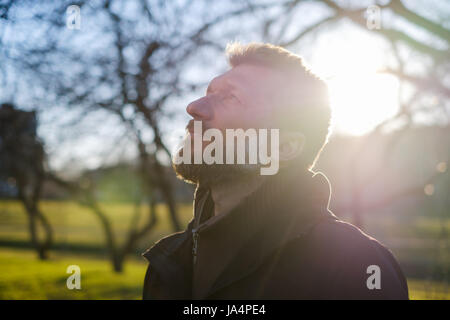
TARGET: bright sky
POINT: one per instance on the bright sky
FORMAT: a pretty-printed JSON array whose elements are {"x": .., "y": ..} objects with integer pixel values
[
  {"x": 360, "y": 97},
  {"x": 361, "y": 101},
  {"x": 348, "y": 58}
]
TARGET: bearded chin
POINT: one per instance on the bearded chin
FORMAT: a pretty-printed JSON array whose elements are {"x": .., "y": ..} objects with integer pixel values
[{"x": 209, "y": 174}]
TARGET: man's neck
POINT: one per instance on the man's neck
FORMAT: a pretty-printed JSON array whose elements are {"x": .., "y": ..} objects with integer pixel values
[{"x": 228, "y": 195}]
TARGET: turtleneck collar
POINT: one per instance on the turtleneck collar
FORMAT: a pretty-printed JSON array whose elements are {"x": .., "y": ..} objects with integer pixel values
[
  {"x": 284, "y": 207},
  {"x": 290, "y": 188}
]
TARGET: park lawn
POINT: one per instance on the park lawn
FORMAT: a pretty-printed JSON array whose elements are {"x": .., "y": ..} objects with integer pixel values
[
  {"x": 74, "y": 224},
  {"x": 79, "y": 240},
  {"x": 427, "y": 290},
  {"x": 23, "y": 276}
]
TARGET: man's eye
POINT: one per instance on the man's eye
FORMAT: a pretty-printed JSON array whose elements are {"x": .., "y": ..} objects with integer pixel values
[{"x": 232, "y": 97}]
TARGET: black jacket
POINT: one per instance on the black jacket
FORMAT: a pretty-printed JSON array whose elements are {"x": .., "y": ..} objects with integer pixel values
[{"x": 281, "y": 242}]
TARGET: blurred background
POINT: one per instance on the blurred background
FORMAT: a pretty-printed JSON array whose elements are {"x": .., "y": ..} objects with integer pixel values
[{"x": 93, "y": 97}]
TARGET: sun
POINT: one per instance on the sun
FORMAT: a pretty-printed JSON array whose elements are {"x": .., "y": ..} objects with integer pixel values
[
  {"x": 360, "y": 102},
  {"x": 360, "y": 96}
]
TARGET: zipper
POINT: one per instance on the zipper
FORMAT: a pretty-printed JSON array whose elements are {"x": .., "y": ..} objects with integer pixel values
[
  {"x": 198, "y": 226},
  {"x": 195, "y": 237}
]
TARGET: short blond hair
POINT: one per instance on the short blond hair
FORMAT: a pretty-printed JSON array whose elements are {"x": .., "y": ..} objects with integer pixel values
[
  {"x": 311, "y": 113},
  {"x": 262, "y": 53}
]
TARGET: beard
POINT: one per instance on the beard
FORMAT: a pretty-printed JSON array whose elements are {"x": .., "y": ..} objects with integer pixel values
[{"x": 210, "y": 174}]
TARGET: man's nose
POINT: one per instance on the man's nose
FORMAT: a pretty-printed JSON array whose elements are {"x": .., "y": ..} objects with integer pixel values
[{"x": 199, "y": 109}]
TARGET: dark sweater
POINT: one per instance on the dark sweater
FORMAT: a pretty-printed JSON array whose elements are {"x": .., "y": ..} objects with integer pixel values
[{"x": 281, "y": 242}]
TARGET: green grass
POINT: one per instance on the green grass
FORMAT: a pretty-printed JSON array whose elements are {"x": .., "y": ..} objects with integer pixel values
[
  {"x": 23, "y": 276},
  {"x": 76, "y": 224},
  {"x": 79, "y": 240},
  {"x": 427, "y": 290}
]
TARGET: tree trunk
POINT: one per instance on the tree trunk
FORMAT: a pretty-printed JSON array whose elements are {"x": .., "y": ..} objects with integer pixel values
[
  {"x": 170, "y": 201},
  {"x": 48, "y": 242},
  {"x": 111, "y": 246},
  {"x": 35, "y": 216},
  {"x": 167, "y": 193},
  {"x": 118, "y": 262}
]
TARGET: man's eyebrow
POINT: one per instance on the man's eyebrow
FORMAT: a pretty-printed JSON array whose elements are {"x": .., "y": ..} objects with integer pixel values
[
  {"x": 210, "y": 87},
  {"x": 232, "y": 87}
]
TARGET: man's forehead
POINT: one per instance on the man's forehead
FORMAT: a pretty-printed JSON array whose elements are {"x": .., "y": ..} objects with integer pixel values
[{"x": 247, "y": 75}]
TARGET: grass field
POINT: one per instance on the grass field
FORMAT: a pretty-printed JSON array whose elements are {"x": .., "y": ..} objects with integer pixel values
[
  {"x": 76, "y": 226},
  {"x": 79, "y": 241},
  {"x": 22, "y": 276}
]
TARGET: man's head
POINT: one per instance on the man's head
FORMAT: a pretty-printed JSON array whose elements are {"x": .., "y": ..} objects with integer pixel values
[{"x": 267, "y": 87}]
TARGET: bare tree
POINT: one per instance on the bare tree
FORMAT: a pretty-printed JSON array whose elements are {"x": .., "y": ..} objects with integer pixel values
[
  {"x": 129, "y": 60},
  {"x": 22, "y": 161}
]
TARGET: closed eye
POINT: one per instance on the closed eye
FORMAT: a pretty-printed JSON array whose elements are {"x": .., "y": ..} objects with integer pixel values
[{"x": 234, "y": 97}]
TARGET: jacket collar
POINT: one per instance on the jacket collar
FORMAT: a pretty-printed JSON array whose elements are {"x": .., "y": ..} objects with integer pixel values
[{"x": 286, "y": 206}]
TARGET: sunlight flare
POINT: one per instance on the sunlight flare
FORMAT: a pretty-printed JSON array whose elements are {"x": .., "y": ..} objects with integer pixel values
[{"x": 360, "y": 96}]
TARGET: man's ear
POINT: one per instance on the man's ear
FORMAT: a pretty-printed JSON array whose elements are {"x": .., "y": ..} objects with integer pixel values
[{"x": 291, "y": 145}]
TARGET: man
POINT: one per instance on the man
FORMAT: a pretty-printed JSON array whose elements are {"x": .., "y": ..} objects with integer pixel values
[{"x": 256, "y": 236}]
